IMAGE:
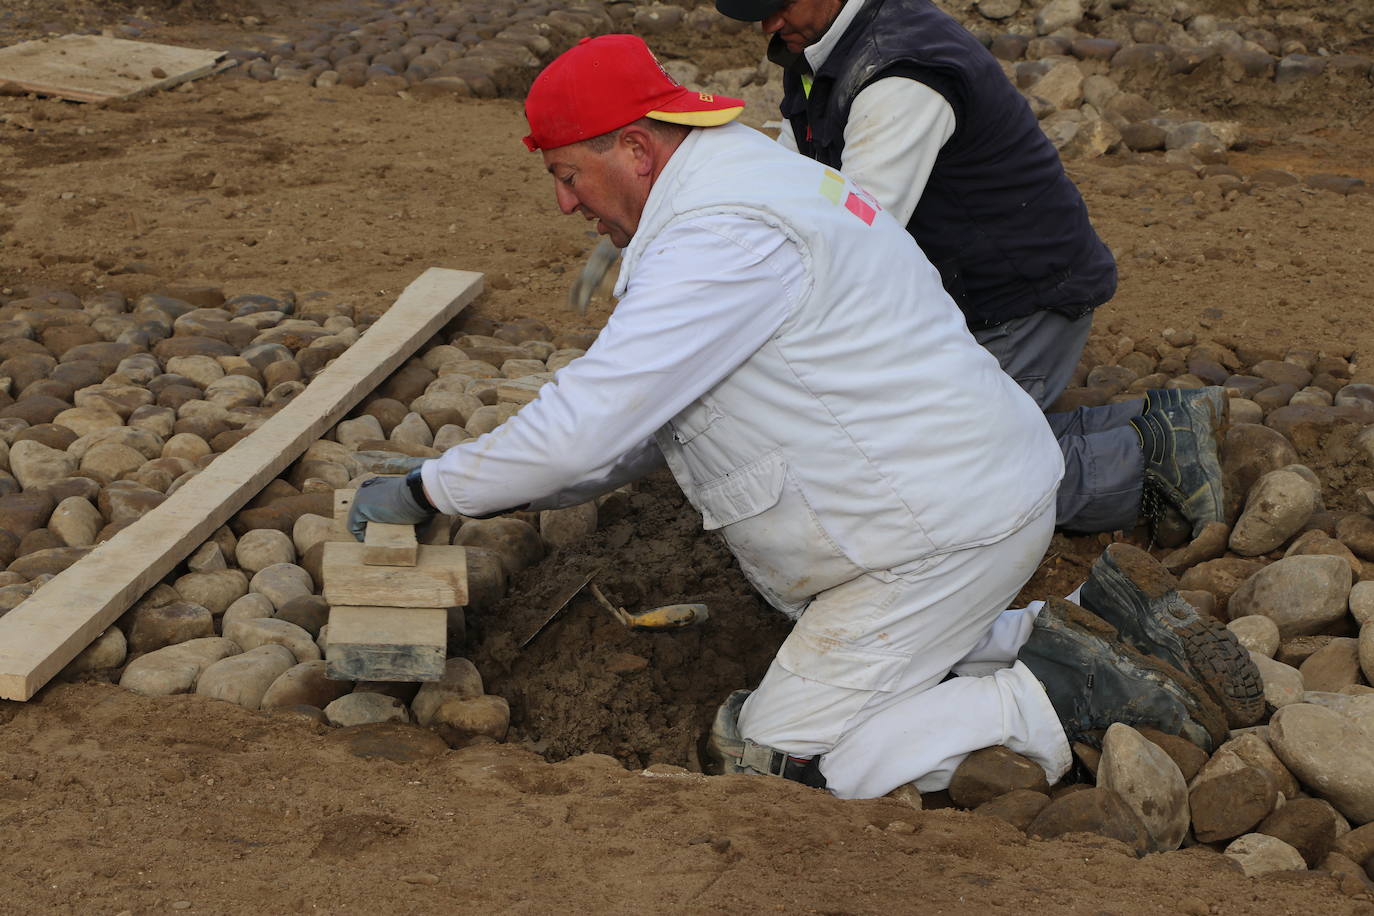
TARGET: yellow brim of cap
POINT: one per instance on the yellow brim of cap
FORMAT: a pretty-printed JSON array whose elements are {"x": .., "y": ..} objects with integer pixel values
[{"x": 697, "y": 118}]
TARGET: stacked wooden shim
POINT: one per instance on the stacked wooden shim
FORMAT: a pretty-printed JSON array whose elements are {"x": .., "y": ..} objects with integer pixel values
[{"x": 389, "y": 598}]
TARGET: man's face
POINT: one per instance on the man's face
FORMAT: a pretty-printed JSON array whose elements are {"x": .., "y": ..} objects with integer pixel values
[
  {"x": 601, "y": 186},
  {"x": 800, "y": 23}
]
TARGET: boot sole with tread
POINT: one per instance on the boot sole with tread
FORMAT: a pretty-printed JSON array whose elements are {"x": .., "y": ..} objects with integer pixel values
[{"x": 1162, "y": 624}]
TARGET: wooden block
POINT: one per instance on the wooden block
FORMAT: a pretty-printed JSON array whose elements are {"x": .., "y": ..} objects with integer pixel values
[
  {"x": 343, "y": 502},
  {"x": 439, "y": 578},
  {"x": 49, "y": 629},
  {"x": 386, "y": 643},
  {"x": 94, "y": 68},
  {"x": 389, "y": 545}
]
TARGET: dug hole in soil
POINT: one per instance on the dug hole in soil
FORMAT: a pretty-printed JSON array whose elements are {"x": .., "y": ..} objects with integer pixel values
[{"x": 121, "y": 803}]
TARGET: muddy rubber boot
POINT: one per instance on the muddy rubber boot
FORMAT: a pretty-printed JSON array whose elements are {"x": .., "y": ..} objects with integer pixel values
[
  {"x": 731, "y": 752},
  {"x": 1133, "y": 592},
  {"x": 1180, "y": 435},
  {"x": 1093, "y": 680}
]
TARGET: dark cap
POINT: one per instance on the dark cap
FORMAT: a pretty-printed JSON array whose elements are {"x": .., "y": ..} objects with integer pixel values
[{"x": 749, "y": 10}]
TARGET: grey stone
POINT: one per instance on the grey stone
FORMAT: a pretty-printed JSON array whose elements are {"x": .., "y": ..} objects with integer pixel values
[
  {"x": 281, "y": 582},
  {"x": 261, "y": 631},
  {"x": 243, "y": 679},
  {"x": 76, "y": 521},
  {"x": 108, "y": 651},
  {"x": 1252, "y": 748},
  {"x": 305, "y": 685},
  {"x": 153, "y": 627},
  {"x": 458, "y": 721},
  {"x": 1277, "y": 507},
  {"x": 1149, "y": 781},
  {"x": 364, "y": 709},
  {"x": 461, "y": 680},
  {"x": 309, "y": 530},
  {"x": 1061, "y": 86},
  {"x": 110, "y": 461},
  {"x": 1258, "y": 634},
  {"x": 33, "y": 464},
  {"x": 359, "y": 429},
  {"x": 1366, "y": 651},
  {"x": 568, "y": 527},
  {"x": 1330, "y": 754},
  {"x": 1282, "y": 683},
  {"x": 251, "y": 606},
  {"x": 1304, "y": 595},
  {"x": 412, "y": 430},
  {"x": 1058, "y": 14},
  {"x": 264, "y": 547},
  {"x": 186, "y": 445},
  {"x": 1259, "y": 854},
  {"x": 1332, "y": 667},
  {"x": 998, "y": 9},
  {"x": 175, "y": 669},
  {"x": 213, "y": 589}
]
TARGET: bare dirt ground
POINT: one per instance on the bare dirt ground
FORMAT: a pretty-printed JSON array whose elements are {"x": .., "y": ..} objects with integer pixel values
[{"x": 115, "y": 803}]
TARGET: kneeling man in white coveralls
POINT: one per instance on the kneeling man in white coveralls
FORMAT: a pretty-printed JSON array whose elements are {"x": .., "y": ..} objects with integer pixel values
[{"x": 791, "y": 354}]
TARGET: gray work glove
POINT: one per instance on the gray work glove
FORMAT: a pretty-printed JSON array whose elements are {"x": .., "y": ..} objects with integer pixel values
[
  {"x": 603, "y": 257},
  {"x": 387, "y": 499}
]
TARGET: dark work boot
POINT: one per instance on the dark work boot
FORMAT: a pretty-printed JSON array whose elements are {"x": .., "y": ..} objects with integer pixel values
[
  {"x": 1133, "y": 592},
  {"x": 731, "y": 752},
  {"x": 1093, "y": 680},
  {"x": 1180, "y": 435}
]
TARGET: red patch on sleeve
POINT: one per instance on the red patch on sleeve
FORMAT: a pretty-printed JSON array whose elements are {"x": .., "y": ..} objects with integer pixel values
[{"x": 856, "y": 205}]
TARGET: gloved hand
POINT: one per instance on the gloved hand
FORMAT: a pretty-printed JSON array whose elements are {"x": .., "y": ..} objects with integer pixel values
[
  {"x": 386, "y": 499},
  {"x": 599, "y": 263}
]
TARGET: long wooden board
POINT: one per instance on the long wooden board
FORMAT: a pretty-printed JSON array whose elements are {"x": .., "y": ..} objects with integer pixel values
[
  {"x": 386, "y": 643},
  {"x": 94, "y": 68},
  {"x": 48, "y": 630}
]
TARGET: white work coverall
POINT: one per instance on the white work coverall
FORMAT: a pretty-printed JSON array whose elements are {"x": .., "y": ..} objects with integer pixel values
[{"x": 819, "y": 399}]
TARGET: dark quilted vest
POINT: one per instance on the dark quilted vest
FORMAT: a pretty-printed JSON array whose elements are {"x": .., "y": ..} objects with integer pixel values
[{"x": 1001, "y": 221}]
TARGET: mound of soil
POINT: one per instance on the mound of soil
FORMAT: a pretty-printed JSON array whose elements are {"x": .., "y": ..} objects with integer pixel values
[{"x": 586, "y": 683}]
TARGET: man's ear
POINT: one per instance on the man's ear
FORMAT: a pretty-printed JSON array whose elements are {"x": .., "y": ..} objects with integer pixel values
[{"x": 639, "y": 143}]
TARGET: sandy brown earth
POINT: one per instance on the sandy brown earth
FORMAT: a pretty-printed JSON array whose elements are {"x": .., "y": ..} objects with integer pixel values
[{"x": 115, "y": 803}]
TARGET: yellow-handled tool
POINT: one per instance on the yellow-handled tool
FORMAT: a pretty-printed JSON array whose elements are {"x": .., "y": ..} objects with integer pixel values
[{"x": 669, "y": 617}]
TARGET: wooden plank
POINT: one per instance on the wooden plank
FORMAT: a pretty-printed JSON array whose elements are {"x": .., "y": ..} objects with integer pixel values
[
  {"x": 439, "y": 578},
  {"x": 94, "y": 68},
  {"x": 40, "y": 636},
  {"x": 386, "y": 643},
  {"x": 389, "y": 545}
]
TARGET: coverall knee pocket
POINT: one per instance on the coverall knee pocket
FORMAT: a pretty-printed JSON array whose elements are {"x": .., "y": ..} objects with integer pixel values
[
  {"x": 780, "y": 542},
  {"x": 817, "y": 656}
]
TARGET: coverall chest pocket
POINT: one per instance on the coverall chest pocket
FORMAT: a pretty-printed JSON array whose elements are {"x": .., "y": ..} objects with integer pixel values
[
  {"x": 694, "y": 421},
  {"x": 781, "y": 543}
]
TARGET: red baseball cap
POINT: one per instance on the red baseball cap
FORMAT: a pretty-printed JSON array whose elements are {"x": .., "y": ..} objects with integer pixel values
[{"x": 601, "y": 84}]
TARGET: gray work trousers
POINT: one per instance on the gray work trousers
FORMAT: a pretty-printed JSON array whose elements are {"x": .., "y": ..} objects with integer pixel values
[{"x": 1103, "y": 464}]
